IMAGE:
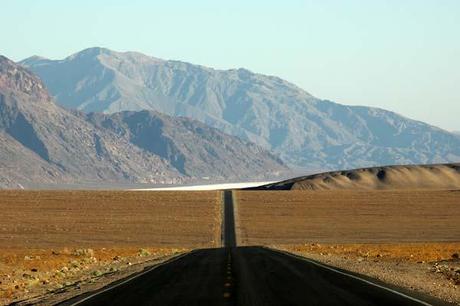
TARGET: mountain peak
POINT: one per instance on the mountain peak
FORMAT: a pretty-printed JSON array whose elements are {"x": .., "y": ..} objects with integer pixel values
[
  {"x": 91, "y": 52},
  {"x": 35, "y": 59},
  {"x": 15, "y": 78},
  {"x": 96, "y": 52}
]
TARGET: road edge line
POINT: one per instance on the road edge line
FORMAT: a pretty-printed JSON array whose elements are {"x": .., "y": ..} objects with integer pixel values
[
  {"x": 236, "y": 219},
  {"x": 110, "y": 287},
  {"x": 222, "y": 218},
  {"x": 352, "y": 276}
]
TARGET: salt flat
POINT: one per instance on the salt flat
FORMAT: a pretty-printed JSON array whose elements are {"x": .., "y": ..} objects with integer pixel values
[{"x": 209, "y": 186}]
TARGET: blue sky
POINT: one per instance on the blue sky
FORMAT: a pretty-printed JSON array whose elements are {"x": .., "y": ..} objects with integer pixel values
[{"x": 401, "y": 55}]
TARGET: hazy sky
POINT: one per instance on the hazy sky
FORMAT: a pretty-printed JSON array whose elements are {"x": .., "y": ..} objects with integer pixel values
[{"x": 398, "y": 55}]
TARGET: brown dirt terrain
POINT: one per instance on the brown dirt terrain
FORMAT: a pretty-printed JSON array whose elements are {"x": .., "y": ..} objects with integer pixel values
[
  {"x": 292, "y": 217},
  {"x": 406, "y": 237},
  {"x": 432, "y": 268},
  {"x": 46, "y": 276},
  {"x": 50, "y": 219},
  {"x": 61, "y": 241}
]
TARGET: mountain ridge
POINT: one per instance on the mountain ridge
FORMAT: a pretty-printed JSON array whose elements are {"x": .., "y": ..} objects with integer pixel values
[
  {"x": 306, "y": 132},
  {"x": 44, "y": 143}
]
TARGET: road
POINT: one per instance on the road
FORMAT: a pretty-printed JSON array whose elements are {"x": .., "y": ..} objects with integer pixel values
[
  {"x": 246, "y": 276},
  {"x": 229, "y": 235}
]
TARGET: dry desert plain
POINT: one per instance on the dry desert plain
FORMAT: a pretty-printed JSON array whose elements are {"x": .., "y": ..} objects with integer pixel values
[
  {"x": 410, "y": 238},
  {"x": 67, "y": 242},
  {"x": 344, "y": 216}
]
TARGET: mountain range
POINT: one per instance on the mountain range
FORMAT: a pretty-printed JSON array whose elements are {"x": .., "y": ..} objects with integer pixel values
[
  {"x": 44, "y": 143},
  {"x": 305, "y": 131}
]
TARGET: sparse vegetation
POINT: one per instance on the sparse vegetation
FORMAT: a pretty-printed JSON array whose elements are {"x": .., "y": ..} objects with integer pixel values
[
  {"x": 44, "y": 271},
  {"x": 63, "y": 240},
  {"x": 404, "y": 237},
  {"x": 425, "y": 267}
]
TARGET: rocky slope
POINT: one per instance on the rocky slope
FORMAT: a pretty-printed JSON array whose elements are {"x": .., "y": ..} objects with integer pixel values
[
  {"x": 44, "y": 143},
  {"x": 305, "y": 131},
  {"x": 442, "y": 176},
  {"x": 191, "y": 147}
]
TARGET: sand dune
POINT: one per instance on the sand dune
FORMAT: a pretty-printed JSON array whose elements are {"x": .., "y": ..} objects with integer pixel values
[{"x": 442, "y": 176}]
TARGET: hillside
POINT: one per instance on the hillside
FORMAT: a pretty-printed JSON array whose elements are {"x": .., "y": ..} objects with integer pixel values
[
  {"x": 44, "y": 143},
  {"x": 442, "y": 176},
  {"x": 191, "y": 147},
  {"x": 306, "y": 132}
]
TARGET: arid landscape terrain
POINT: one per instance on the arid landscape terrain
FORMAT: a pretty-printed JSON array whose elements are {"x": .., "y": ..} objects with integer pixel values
[
  {"x": 409, "y": 238},
  {"x": 289, "y": 217},
  {"x": 59, "y": 241},
  {"x": 398, "y": 177},
  {"x": 429, "y": 268},
  {"x": 51, "y": 219},
  {"x": 57, "y": 244},
  {"x": 229, "y": 153}
]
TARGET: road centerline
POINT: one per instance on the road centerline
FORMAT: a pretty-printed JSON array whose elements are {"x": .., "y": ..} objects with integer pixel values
[{"x": 229, "y": 236}]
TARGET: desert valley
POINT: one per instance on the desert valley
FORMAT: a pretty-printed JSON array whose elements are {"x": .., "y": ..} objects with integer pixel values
[{"x": 127, "y": 179}]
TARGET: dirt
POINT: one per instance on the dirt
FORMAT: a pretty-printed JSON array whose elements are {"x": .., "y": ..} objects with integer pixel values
[
  {"x": 55, "y": 244},
  {"x": 50, "y": 219},
  {"x": 430, "y": 268},
  {"x": 297, "y": 217},
  {"x": 45, "y": 276},
  {"x": 409, "y": 238}
]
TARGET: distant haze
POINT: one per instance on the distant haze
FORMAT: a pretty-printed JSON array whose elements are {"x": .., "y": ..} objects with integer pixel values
[
  {"x": 43, "y": 143},
  {"x": 399, "y": 55},
  {"x": 305, "y": 131}
]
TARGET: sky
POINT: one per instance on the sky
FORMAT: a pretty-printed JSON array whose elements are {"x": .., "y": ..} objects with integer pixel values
[{"x": 401, "y": 55}]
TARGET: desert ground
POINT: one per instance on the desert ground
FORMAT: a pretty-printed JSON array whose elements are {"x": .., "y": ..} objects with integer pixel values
[
  {"x": 68, "y": 242},
  {"x": 61, "y": 241},
  {"x": 429, "y": 268},
  {"x": 50, "y": 219},
  {"x": 409, "y": 238},
  {"x": 290, "y": 217}
]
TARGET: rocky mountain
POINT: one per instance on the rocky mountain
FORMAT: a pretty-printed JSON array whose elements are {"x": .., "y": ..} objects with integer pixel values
[
  {"x": 305, "y": 131},
  {"x": 45, "y": 143},
  {"x": 191, "y": 147}
]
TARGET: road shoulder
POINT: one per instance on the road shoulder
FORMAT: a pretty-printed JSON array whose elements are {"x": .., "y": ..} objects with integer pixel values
[{"x": 419, "y": 278}]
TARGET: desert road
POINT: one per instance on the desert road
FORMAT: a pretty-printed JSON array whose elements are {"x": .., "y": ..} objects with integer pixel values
[
  {"x": 243, "y": 276},
  {"x": 246, "y": 276}
]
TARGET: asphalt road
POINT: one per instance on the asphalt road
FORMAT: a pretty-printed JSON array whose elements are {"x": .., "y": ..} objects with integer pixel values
[
  {"x": 244, "y": 276},
  {"x": 229, "y": 236},
  {"x": 248, "y": 276}
]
